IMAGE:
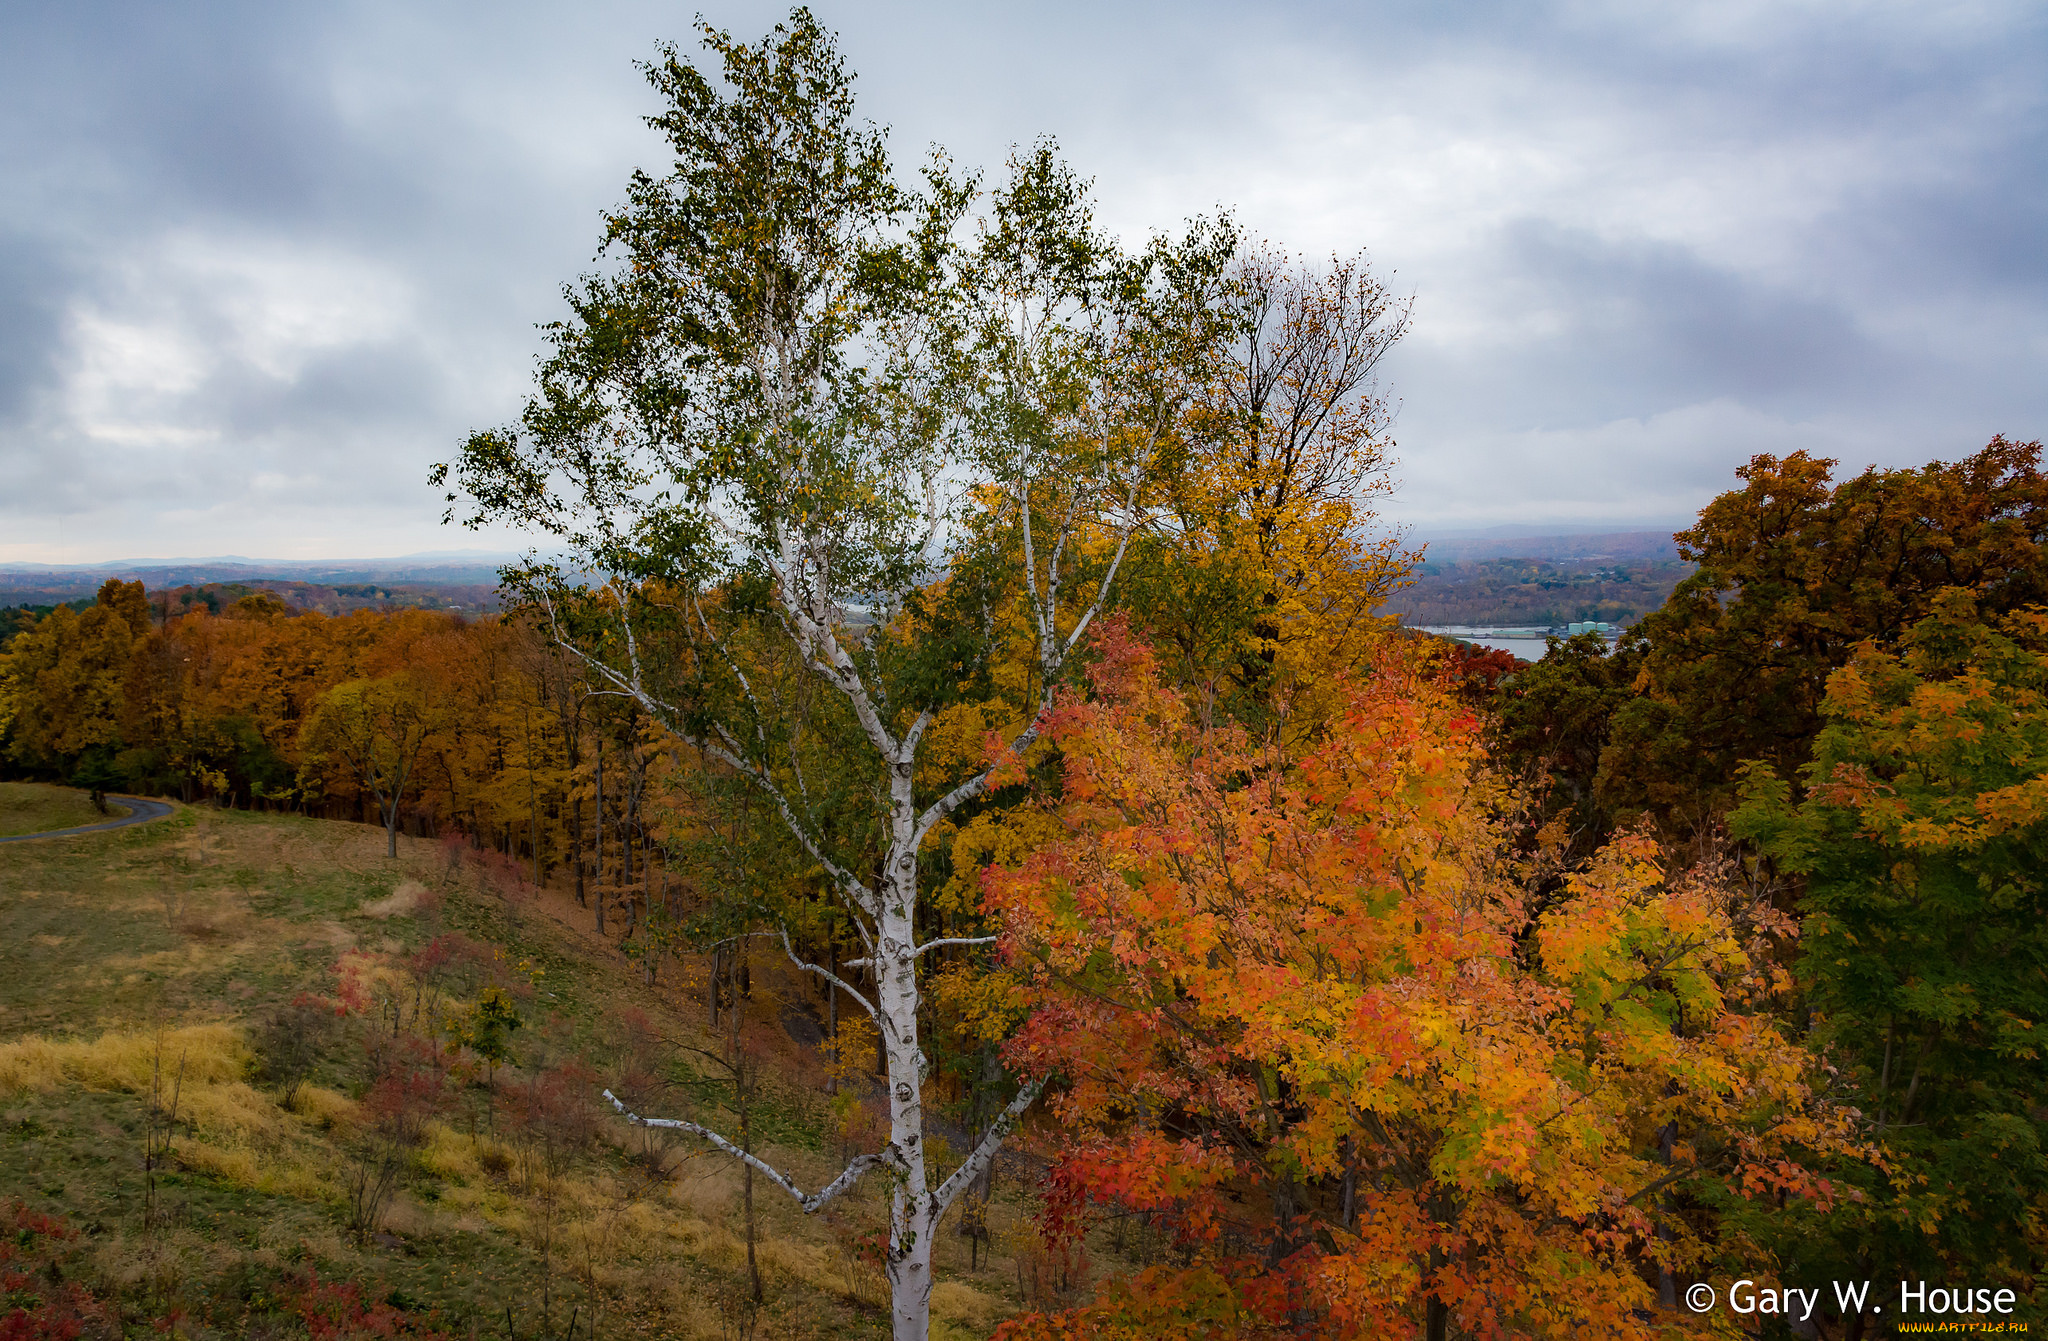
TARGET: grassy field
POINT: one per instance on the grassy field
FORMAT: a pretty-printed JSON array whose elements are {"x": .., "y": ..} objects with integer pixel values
[
  {"x": 31, "y": 807},
  {"x": 211, "y": 1141}
]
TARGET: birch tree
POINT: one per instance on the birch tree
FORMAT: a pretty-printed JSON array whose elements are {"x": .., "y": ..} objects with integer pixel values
[{"x": 809, "y": 450}]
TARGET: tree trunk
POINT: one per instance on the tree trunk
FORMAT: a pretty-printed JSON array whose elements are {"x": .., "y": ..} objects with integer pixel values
[
  {"x": 598, "y": 896},
  {"x": 912, "y": 1221},
  {"x": 1349, "y": 1209},
  {"x": 832, "y": 1020},
  {"x": 1667, "y": 1284},
  {"x": 652, "y": 959},
  {"x": 576, "y": 846},
  {"x": 753, "y": 1267},
  {"x": 743, "y": 1095},
  {"x": 1436, "y": 1317},
  {"x": 629, "y": 812}
]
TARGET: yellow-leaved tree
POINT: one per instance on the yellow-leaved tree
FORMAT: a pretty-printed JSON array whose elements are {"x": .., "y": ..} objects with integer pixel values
[
  {"x": 372, "y": 732},
  {"x": 1262, "y": 574}
]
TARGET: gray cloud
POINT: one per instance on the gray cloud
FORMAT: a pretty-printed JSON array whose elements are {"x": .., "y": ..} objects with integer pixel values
[
  {"x": 260, "y": 265},
  {"x": 31, "y": 279}
]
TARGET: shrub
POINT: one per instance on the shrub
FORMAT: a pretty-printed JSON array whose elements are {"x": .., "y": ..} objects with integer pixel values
[
  {"x": 37, "y": 1300},
  {"x": 408, "y": 1088},
  {"x": 290, "y": 1040}
]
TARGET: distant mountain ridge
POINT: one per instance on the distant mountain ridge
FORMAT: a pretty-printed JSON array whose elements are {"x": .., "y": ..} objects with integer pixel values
[
  {"x": 1486, "y": 579},
  {"x": 51, "y": 581},
  {"x": 1625, "y": 546}
]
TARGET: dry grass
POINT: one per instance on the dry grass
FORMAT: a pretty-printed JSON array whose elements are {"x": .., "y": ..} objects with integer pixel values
[
  {"x": 236, "y": 1134},
  {"x": 400, "y": 902},
  {"x": 960, "y": 1310},
  {"x": 208, "y": 921},
  {"x": 324, "y": 1108},
  {"x": 126, "y": 1059}
]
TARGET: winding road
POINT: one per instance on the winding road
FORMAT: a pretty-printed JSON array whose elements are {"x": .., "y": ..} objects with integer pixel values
[{"x": 140, "y": 811}]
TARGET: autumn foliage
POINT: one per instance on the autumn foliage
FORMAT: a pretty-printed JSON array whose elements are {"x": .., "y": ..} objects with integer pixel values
[
  {"x": 40, "y": 1301},
  {"x": 1371, "y": 1066},
  {"x": 1922, "y": 840},
  {"x": 988, "y": 620},
  {"x": 1796, "y": 569},
  {"x": 420, "y": 721},
  {"x": 1341, "y": 975}
]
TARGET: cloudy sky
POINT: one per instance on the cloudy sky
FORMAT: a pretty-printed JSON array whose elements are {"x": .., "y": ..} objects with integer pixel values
[{"x": 262, "y": 264}]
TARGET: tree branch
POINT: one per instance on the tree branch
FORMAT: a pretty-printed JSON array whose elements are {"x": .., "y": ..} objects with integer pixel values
[
  {"x": 827, "y": 974},
  {"x": 984, "y": 1153},
  {"x": 727, "y": 750},
  {"x": 811, "y": 1202},
  {"x": 1676, "y": 1175},
  {"x": 977, "y": 784},
  {"x": 955, "y": 940}
]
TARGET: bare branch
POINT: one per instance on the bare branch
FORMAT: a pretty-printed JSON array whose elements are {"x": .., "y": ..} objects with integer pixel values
[
  {"x": 821, "y": 649},
  {"x": 827, "y": 974},
  {"x": 811, "y": 1202},
  {"x": 727, "y": 750},
  {"x": 912, "y": 737},
  {"x": 629, "y": 688},
  {"x": 984, "y": 1153},
  {"x": 1122, "y": 544},
  {"x": 1045, "y": 633},
  {"x": 732, "y": 664},
  {"x": 977, "y": 784},
  {"x": 956, "y": 940}
]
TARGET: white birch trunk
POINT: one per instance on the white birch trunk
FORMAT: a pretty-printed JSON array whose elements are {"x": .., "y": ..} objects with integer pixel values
[{"x": 911, "y": 1222}]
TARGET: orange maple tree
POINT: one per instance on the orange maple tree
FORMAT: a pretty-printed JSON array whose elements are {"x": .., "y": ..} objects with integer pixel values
[{"x": 1378, "y": 1074}]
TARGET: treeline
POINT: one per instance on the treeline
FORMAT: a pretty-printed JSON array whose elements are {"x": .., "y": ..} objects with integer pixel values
[
  {"x": 421, "y": 721},
  {"x": 15, "y": 618},
  {"x": 1795, "y": 573}
]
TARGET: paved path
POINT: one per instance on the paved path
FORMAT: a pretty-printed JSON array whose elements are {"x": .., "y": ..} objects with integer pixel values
[{"x": 139, "y": 812}]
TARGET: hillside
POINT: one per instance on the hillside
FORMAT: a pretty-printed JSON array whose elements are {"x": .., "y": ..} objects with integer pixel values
[
  {"x": 225, "y": 1029},
  {"x": 1540, "y": 581}
]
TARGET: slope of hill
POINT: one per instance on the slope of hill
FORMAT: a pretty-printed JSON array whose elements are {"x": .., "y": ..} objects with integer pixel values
[
  {"x": 1611, "y": 546},
  {"x": 264, "y": 1075}
]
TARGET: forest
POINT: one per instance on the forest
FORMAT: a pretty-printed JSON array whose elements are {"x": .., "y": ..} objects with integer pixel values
[{"x": 976, "y": 630}]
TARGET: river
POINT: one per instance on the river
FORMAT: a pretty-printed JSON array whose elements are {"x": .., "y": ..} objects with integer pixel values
[
  {"x": 1528, "y": 649},
  {"x": 1528, "y": 644}
]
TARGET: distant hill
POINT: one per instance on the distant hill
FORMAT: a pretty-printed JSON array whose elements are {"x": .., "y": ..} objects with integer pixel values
[
  {"x": 1621, "y": 545},
  {"x": 446, "y": 581},
  {"x": 1507, "y": 581},
  {"x": 462, "y": 568},
  {"x": 1540, "y": 581}
]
